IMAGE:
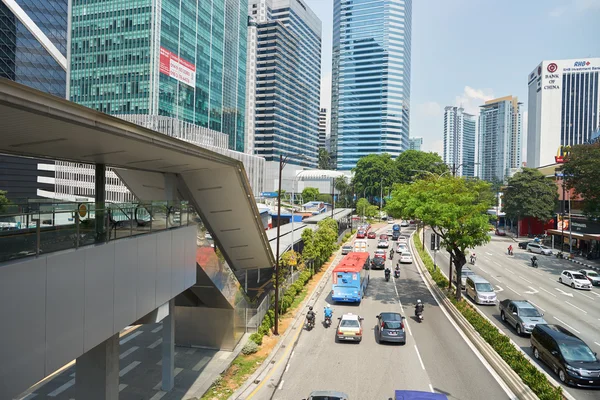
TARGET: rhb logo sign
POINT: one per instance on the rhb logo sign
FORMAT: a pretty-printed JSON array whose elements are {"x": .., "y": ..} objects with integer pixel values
[{"x": 581, "y": 63}]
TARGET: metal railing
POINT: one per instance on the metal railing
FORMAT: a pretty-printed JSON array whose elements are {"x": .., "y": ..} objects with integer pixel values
[
  {"x": 59, "y": 226},
  {"x": 254, "y": 316}
]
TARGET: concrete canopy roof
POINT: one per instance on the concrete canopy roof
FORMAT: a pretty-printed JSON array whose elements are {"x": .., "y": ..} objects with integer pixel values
[{"x": 35, "y": 124}]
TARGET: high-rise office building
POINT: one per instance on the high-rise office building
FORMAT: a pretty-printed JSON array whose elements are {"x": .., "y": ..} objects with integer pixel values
[
  {"x": 563, "y": 107},
  {"x": 179, "y": 59},
  {"x": 285, "y": 49},
  {"x": 33, "y": 51},
  {"x": 500, "y": 138},
  {"x": 459, "y": 140},
  {"x": 322, "y": 127},
  {"x": 370, "y": 78},
  {"x": 415, "y": 143}
]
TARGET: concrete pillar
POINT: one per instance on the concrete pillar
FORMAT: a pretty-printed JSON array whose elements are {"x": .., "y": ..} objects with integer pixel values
[
  {"x": 170, "y": 187},
  {"x": 168, "y": 349},
  {"x": 97, "y": 371},
  {"x": 100, "y": 200}
]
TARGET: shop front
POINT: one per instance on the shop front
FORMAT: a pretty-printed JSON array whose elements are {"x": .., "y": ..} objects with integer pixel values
[{"x": 577, "y": 235}]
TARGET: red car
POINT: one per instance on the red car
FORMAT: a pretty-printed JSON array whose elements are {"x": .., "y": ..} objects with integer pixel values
[
  {"x": 372, "y": 235},
  {"x": 360, "y": 235},
  {"x": 383, "y": 236},
  {"x": 381, "y": 253}
]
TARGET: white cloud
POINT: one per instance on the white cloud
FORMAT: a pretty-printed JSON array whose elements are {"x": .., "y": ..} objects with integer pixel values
[
  {"x": 557, "y": 12},
  {"x": 575, "y": 6},
  {"x": 472, "y": 98}
]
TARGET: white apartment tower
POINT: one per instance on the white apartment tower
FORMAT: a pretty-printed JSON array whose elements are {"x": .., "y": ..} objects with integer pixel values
[
  {"x": 459, "y": 140},
  {"x": 563, "y": 107}
]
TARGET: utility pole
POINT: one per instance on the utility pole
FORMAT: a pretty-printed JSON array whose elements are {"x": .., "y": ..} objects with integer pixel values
[
  {"x": 380, "y": 198},
  {"x": 276, "y": 326},
  {"x": 332, "y": 194}
]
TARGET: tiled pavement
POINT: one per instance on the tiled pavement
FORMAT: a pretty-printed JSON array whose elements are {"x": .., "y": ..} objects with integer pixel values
[{"x": 140, "y": 370}]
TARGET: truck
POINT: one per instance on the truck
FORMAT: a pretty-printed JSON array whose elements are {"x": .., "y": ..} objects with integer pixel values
[{"x": 360, "y": 245}]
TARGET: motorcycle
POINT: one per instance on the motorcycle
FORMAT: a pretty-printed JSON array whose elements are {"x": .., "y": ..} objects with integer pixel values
[
  {"x": 392, "y": 255},
  {"x": 397, "y": 273},
  {"x": 310, "y": 322},
  {"x": 472, "y": 260},
  {"x": 510, "y": 252},
  {"x": 387, "y": 275},
  {"x": 534, "y": 263},
  {"x": 419, "y": 316},
  {"x": 560, "y": 255},
  {"x": 327, "y": 321}
]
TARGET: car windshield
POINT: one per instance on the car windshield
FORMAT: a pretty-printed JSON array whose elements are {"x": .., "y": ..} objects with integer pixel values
[
  {"x": 577, "y": 352},
  {"x": 466, "y": 272},
  {"x": 484, "y": 287},
  {"x": 350, "y": 323},
  {"x": 405, "y": 254},
  {"x": 578, "y": 276},
  {"x": 391, "y": 325},
  {"x": 325, "y": 398},
  {"x": 592, "y": 273},
  {"x": 529, "y": 312}
]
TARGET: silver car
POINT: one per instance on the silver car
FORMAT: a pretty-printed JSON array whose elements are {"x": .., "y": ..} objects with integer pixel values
[
  {"x": 539, "y": 249},
  {"x": 520, "y": 314}
]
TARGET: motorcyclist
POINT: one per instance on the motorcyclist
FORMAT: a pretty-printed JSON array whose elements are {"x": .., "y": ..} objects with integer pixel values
[
  {"x": 473, "y": 258},
  {"x": 510, "y": 250},
  {"x": 419, "y": 308},
  {"x": 310, "y": 315},
  {"x": 327, "y": 312},
  {"x": 533, "y": 261},
  {"x": 397, "y": 270},
  {"x": 387, "y": 272},
  {"x": 391, "y": 254}
]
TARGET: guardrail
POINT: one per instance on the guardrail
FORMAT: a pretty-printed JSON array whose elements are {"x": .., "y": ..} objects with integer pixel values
[{"x": 62, "y": 226}]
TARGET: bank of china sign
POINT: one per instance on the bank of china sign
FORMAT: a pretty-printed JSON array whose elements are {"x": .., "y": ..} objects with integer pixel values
[{"x": 178, "y": 68}]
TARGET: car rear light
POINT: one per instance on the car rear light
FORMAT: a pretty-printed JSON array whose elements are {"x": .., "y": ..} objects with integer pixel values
[
  {"x": 382, "y": 324},
  {"x": 402, "y": 325},
  {"x": 360, "y": 331},
  {"x": 340, "y": 332}
]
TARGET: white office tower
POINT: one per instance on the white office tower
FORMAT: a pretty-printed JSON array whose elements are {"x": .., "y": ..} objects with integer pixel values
[
  {"x": 500, "y": 129},
  {"x": 459, "y": 140},
  {"x": 564, "y": 107}
]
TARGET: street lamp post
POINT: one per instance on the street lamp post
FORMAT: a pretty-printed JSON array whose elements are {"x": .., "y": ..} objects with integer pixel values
[
  {"x": 282, "y": 162},
  {"x": 380, "y": 198}
]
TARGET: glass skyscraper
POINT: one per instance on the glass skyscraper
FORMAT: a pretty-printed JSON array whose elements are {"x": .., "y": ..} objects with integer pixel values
[
  {"x": 285, "y": 58},
  {"x": 459, "y": 140},
  {"x": 180, "y": 59},
  {"x": 370, "y": 78}
]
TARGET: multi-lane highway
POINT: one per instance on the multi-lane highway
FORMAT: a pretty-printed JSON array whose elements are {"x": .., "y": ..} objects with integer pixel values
[
  {"x": 435, "y": 357},
  {"x": 514, "y": 278}
]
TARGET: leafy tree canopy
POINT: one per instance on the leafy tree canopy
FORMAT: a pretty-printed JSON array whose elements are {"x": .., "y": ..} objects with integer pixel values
[
  {"x": 411, "y": 163},
  {"x": 3, "y": 200},
  {"x": 369, "y": 172},
  {"x": 530, "y": 194},
  {"x": 310, "y": 194},
  {"x": 324, "y": 159},
  {"x": 455, "y": 208},
  {"x": 581, "y": 168}
]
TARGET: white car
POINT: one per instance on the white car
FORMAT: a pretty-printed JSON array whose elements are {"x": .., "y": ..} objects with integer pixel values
[
  {"x": 575, "y": 279},
  {"x": 401, "y": 248},
  {"x": 538, "y": 248},
  {"x": 390, "y": 220},
  {"x": 383, "y": 244},
  {"x": 402, "y": 239},
  {"x": 406, "y": 258},
  {"x": 390, "y": 232},
  {"x": 404, "y": 224},
  {"x": 349, "y": 328}
]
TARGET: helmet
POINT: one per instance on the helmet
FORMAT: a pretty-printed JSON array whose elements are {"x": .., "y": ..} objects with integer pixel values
[
  {"x": 418, "y": 301},
  {"x": 310, "y": 308}
]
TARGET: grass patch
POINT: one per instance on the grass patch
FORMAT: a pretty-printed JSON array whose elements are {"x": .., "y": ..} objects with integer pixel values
[
  {"x": 241, "y": 368},
  {"x": 530, "y": 375},
  {"x": 299, "y": 299}
]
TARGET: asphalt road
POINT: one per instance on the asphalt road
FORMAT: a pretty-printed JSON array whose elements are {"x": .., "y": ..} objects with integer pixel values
[
  {"x": 514, "y": 278},
  {"x": 435, "y": 357}
]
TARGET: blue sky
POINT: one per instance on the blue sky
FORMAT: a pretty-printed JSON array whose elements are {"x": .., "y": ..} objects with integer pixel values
[{"x": 468, "y": 51}]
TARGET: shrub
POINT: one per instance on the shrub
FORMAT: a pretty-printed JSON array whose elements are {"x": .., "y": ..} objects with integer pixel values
[
  {"x": 256, "y": 338},
  {"x": 250, "y": 347}
]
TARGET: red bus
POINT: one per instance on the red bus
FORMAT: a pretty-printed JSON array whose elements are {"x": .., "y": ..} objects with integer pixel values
[{"x": 350, "y": 278}]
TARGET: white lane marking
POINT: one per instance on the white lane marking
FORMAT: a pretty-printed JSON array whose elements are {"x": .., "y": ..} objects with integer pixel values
[
  {"x": 532, "y": 291},
  {"x": 528, "y": 281},
  {"x": 408, "y": 327},
  {"x": 597, "y": 343},
  {"x": 499, "y": 289},
  {"x": 489, "y": 254},
  {"x": 550, "y": 293},
  {"x": 128, "y": 368},
  {"x": 536, "y": 305},
  {"x": 292, "y": 354},
  {"x": 175, "y": 373},
  {"x": 567, "y": 325},
  {"x": 596, "y": 294},
  {"x": 552, "y": 280},
  {"x": 155, "y": 330},
  {"x": 572, "y": 305},
  {"x": 585, "y": 295},
  {"x": 131, "y": 336},
  {"x": 122, "y": 386},
  {"x": 419, "y": 355},
  {"x": 563, "y": 292},
  {"x": 153, "y": 345},
  {"x": 158, "y": 395},
  {"x": 201, "y": 363},
  {"x": 497, "y": 263},
  {"x": 62, "y": 388},
  {"x": 287, "y": 367},
  {"x": 497, "y": 279},
  {"x": 431, "y": 388},
  {"x": 280, "y": 385},
  {"x": 513, "y": 290},
  {"x": 128, "y": 352},
  {"x": 28, "y": 397}
]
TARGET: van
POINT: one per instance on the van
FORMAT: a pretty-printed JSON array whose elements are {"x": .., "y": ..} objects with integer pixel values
[
  {"x": 464, "y": 273},
  {"x": 480, "y": 290},
  {"x": 567, "y": 355}
]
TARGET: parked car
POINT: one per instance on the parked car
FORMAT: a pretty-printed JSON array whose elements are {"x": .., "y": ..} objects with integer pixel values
[
  {"x": 406, "y": 258},
  {"x": 349, "y": 328},
  {"x": 523, "y": 245},
  {"x": 567, "y": 355},
  {"x": 539, "y": 249},
  {"x": 327, "y": 395},
  {"x": 381, "y": 253},
  {"x": 575, "y": 279},
  {"x": 361, "y": 234},
  {"x": 390, "y": 327},
  {"x": 347, "y": 248},
  {"x": 480, "y": 290},
  {"x": 521, "y": 314},
  {"x": 383, "y": 244},
  {"x": 591, "y": 275},
  {"x": 500, "y": 232},
  {"x": 404, "y": 223},
  {"x": 378, "y": 263},
  {"x": 372, "y": 235}
]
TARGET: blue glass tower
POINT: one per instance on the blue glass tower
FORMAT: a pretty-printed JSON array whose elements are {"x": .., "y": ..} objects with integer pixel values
[{"x": 370, "y": 79}]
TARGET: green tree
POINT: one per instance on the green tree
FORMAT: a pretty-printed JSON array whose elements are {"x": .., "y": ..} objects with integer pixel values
[
  {"x": 3, "y": 200},
  {"x": 310, "y": 194},
  {"x": 373, "y": 170},
  {"x": 580, "y": 169},
  {"x": 411, "y": 164},
  {"x": 344, "y": 190},
  {"x": 361, "y": 207},
  {"x": 325, "y": 239},
  {"x": 324, "y": 159},
  {"x": 455, "y": 208},
  {"x": 530, "y": 194}
]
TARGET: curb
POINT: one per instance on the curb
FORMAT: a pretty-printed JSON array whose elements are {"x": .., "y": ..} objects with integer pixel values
[
  {"x": 264, "y": 369},
  {"x": 510, "y": 377},
  {"x": 594, "y": 267}
]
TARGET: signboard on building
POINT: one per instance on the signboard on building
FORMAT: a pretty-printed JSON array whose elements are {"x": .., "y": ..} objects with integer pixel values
[
  {"x": 562, "y": 152},
  {"x": 176, "y": 67},
  {"x": 577, "y": 225}
]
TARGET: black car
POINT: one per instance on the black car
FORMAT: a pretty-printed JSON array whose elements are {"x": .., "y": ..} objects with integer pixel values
[
  {"x": 391, "y": 327},
  {"x": 378, "y": 263},
  {"x": 567, "y": 355},
  {"x": 523, "y": 245}
]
